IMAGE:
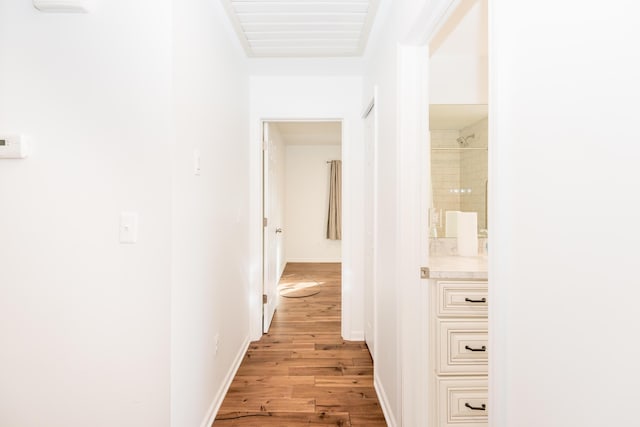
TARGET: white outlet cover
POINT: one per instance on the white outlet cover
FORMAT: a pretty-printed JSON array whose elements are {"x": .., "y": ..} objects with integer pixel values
[{"x": 62, "y": 6}]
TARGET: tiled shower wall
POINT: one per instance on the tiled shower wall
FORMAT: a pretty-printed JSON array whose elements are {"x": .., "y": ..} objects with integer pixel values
[
  {"x": 455, "y": 172},
  {"x": 445, "y": 174},
  {"x": 474, "y": 172}
]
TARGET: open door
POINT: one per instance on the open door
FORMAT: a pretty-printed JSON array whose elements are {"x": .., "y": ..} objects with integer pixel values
[
  {"x": 369, "y": 226},
  {"x": 270, "y": 233}
]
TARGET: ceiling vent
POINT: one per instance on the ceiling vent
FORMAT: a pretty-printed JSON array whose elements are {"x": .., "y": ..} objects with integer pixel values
[{"x": 302, "y": 28}]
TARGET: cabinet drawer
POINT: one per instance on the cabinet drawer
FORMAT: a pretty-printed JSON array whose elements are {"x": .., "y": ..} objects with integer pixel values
[
  {"x": 460, "y": 402},
  {"x": 467, "y": 299},
  {"x": 463, "y": 347}
]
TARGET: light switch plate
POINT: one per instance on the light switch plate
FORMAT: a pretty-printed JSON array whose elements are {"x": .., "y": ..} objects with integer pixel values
[
  {"x": 128, "y": 227},
  {"x": 196, "y": 162},
  {"x": 12, "y": 147}
]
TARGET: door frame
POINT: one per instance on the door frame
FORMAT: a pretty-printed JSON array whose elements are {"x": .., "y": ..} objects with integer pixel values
[
  {"x": 372, "y": 108},
  {"x": 413, "y": 130},
  {"x": 256, "y": 291}
]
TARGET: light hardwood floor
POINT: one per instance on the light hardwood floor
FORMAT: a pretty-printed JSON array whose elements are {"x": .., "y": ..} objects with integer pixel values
[{"x": 302, "y": 372}]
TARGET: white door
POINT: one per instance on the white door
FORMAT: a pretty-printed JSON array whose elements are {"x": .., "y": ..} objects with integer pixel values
[
  {"x": 369, "y": 224},
  {"x": 270, "y": 232}
]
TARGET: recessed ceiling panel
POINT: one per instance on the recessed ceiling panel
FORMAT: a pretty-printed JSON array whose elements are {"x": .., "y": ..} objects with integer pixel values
[{"x": 312, "y": 28}]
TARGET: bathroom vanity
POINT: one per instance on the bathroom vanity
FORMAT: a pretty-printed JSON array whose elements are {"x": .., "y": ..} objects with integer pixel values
[
  {"x": 459, "y": 349},
  {"x": 457, "y": 280}
]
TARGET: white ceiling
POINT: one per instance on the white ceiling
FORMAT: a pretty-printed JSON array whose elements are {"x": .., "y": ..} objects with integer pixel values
[
  {"x": 311, "y": 28},
  {"x": 310, "y": 133},
  {"x": 455, "y": 116}
]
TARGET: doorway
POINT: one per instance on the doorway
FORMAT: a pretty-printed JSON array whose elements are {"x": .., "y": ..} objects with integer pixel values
[
  {"x": 434, "y": 67},
  {"x": 298, "y": 158}
]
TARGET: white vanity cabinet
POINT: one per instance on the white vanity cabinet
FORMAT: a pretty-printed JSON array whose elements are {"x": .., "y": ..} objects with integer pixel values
[{"x": 458, "y": 352}]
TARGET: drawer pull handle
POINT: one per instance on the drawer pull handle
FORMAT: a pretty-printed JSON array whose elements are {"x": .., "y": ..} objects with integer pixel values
[
  {"x": 483, "y": 300},
  {"x": 476, "y": 408},
  {"x": 483, "y": 348}
]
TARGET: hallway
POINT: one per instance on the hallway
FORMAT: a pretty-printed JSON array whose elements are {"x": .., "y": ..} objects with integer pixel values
[{"x": 302, "y": 373}]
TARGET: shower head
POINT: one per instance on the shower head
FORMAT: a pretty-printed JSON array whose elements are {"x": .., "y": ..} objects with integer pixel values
[{"x": 465, "y": 140}]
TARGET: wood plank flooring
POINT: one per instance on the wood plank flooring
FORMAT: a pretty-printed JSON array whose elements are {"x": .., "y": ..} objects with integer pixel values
[{"x": 302, "y": 373}]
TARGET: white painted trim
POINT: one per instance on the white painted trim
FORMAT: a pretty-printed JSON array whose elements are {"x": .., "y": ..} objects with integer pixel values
[
  {"x": 376, "y": 222},
  {"x": 356, "y": 336},
  {"x": 267, "y": 314},
  {"x": 348, "y": 252},
  {"x": 347, "y": 258},
  {"x": 311, "y": 119},
  {"x": 368, "y": 25},
  {"x": 411, "y": 235},
  {"x": 281, "y": 270},
  {"x": 256, "y": 231},
  {"x": 414, "y": 197},
  {"x": 222, "y": 392},
  {"x": 498, "y": 292},
  {"x": 372, "y": 107},
  {"x": 256, "y": 214},
  {"x": 316, "y": 260},
  {"x": 384, "y": 402},
  {"x": 433, "y": 16}
]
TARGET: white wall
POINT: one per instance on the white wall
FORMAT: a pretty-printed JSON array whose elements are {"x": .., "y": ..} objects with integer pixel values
[
  {"x": 459, "y": 76},
  {"x": 305, "y": 97},
  {"x": 397, "y": 65},
  {"x": 84, "y": 320},
  {"x": 210, "y": 211},
  {"x": 380, "y": 70},
  {"x": 563, "y": 285},
  {"x": 557, "y": 99},
  {"x": 114, "y": 105},
  {"x": 458, "y": 68},
  {"x": 338, "y": 67},
  {"x": 307, "y": 189}
]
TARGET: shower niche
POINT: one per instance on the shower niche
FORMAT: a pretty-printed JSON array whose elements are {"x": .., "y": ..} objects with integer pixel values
[{"x": 459, "y": 172}]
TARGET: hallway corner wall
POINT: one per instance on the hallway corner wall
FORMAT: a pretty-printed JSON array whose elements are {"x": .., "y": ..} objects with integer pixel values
[
  {"x": 210, "y": 220},
  {"x": 380, "y": 71},
  {"x": 400, "y": 297}
]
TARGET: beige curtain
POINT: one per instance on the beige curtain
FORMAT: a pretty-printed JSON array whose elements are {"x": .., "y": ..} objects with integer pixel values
[{"x": 334, "y": 224}]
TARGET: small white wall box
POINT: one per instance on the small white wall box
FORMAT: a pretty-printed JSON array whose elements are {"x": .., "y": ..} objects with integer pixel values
[
  {"x": 62, "y": 6},
  {"x": 12, "y": 147}
]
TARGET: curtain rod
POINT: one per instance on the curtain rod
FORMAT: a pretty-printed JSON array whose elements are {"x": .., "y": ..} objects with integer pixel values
[{"x": 329, "y": 161}]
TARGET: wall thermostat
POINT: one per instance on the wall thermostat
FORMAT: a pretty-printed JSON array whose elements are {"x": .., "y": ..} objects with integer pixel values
[{"x": 12, "y": 147}]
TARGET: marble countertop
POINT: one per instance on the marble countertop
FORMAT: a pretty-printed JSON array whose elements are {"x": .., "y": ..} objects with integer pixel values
[{"x": 458, "y": 267}]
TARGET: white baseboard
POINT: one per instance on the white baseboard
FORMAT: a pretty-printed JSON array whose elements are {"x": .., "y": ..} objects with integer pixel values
[
  {"x": 222, "y": 392},
  {"x": 384, "y": 403},
  {"x": 355, "y": 336},
  {"x": 315, "y": 260}
]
